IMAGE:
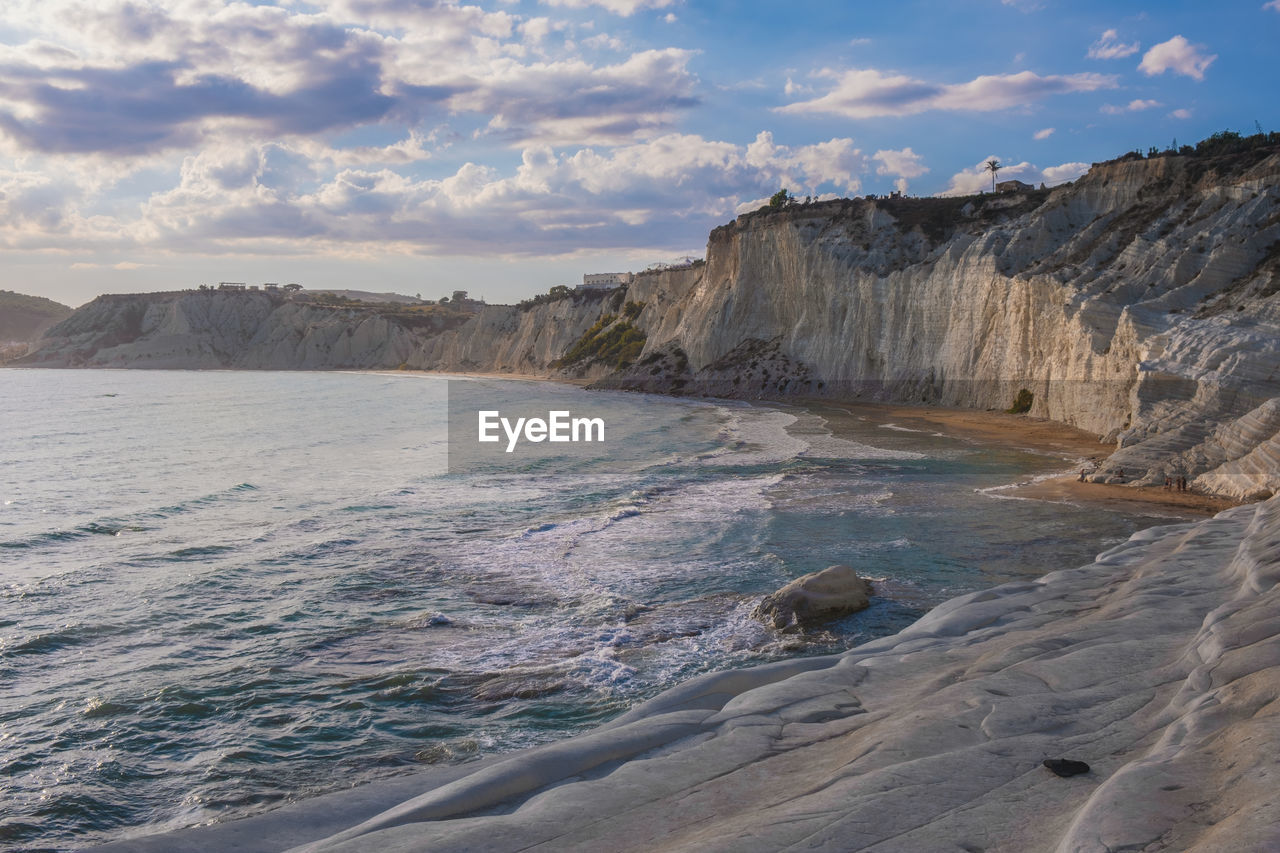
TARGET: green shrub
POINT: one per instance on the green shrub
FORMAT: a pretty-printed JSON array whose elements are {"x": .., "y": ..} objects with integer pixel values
[
  {"x": 610, "y": 340},
  {"x": 1021, "y": 403}
]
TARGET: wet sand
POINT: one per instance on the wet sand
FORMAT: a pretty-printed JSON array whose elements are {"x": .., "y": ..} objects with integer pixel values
[{"x": 1077, "y": 448}]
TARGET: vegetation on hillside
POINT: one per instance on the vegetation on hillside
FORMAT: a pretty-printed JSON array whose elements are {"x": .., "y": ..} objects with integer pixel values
[
  {"x": 615, "y": 342},
  {"x": 555, "y": 294},
  {"x": 24, "y": 318}
]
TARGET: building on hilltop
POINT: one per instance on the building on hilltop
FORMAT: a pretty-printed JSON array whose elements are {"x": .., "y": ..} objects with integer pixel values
[
  {"x": 462, "y": 302},
  {"x": 231, "y": 285},
  {"x": 604, "y": 280}
]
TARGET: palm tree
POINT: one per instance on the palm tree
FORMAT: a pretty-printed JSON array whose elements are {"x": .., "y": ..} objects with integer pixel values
[{"x": 993, "y": 166}]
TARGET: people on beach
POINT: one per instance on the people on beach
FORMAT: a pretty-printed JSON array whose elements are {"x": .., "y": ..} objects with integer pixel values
[
  {"x": 1168, "y": 484},
  {"x": 1082, "y": 475}
]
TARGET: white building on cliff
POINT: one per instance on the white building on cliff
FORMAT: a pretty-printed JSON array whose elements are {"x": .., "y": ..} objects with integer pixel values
[{"x": 604, "y": 280}]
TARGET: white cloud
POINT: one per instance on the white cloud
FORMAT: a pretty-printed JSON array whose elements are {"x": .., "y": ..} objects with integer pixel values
[
  {"x": 793, "y": 88},
  {"x": 1179, "y": 56},
  {"x": 978, "y": 179},
  {"x": 1134, "y": 106},
  {"x": 1043, "y": 134},
  {"x": 835, "y": 161},
  {"x": 1185, "y": 113},
  {"x": 128, "y": 79},
  {"x": 122, "y": 265},
  {"x": 1274, "y": 4},
  {"x": 904, "y": 164},
  {"x": 295, "y": 199},
  {"x": 1109, "y": 46},
  {"x": 625, "y": 8},
  {"x": 867, "y": 93},
  {"x": 573, "y": 102}
]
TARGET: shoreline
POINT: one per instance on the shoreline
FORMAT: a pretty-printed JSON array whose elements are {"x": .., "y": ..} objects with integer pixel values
[
  {"x": 990, "y": 428},
  {"x": 1158, "y": 665}
]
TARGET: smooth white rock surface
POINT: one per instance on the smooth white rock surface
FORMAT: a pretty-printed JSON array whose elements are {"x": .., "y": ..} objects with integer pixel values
[{"x": 1158, "y": 664}]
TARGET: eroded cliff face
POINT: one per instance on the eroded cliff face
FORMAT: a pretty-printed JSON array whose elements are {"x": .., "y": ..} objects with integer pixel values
[
  {"x": 198, "y": 330},
  {"x": 215, "y": 329},
  {"x": 1138, "y": 303}
]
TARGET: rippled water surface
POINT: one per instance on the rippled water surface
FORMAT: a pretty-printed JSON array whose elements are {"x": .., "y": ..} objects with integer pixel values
[{"x": 221, "y": 591}]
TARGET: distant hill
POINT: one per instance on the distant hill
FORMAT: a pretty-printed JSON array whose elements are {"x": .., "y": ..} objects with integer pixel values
[{"x": 25, "y": 318}]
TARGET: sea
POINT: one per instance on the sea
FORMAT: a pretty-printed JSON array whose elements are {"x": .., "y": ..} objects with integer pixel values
[{"x": 221, "y": 592}]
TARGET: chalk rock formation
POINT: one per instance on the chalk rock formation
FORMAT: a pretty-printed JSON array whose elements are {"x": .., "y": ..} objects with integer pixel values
[
  {"x": 1158, "y": 665},
  {"x": 834, "y": 591}
]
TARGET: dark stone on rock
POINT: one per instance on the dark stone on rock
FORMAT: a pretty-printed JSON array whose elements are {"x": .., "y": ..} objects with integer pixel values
[{"x": 1066, "y": 767}]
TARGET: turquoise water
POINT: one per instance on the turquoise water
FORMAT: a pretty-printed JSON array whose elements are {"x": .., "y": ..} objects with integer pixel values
[{"x": 223, "y": 591}]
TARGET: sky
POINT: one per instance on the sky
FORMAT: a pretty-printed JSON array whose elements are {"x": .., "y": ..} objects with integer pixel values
[{"x": 506, "y": 146}]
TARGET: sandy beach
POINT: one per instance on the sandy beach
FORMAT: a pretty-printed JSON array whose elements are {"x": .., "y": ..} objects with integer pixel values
[{"x": 1077, "y": 448}]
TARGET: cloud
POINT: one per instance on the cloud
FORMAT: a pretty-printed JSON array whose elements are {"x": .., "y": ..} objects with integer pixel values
[
  {"x": 294, "y": 199},
  {"x": 1179, "y": 56},
  {"x": 1043, "y": 134},
  {"x": 1185, "y": 113},
  {"x": 868, "y": 93},
  {"x": 1109, "y": 46},
  {"x": 978, "y": 179},
  {"x": 625, "y": 8},
  {"x": 572, "y": 101},
  {"x": 146, "y": 107},
  {"x": 122, "y": 265},
  {"x": 129, "y": 79},
  {"x": 1134, "y": 106},
  {"x": 904, "y": 164},
  {"x": 793, "y": 88},
  {"x": 1274, "y": 4}
]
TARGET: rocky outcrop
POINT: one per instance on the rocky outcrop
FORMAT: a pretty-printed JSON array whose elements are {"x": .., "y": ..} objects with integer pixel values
[{"x": 835, "y": 591}]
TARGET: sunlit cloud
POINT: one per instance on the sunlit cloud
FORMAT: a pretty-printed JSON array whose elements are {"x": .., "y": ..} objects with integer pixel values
[
  {"x": 867, "y": 93},
  {"x": 1179, "y": 56},
  {"x": 1109, "y": 46},
  {"x": 1134, "y": 106},
  {"x": 625, "y": 8}
]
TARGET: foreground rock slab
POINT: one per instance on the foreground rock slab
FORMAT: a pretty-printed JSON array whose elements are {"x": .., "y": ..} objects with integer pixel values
[
  {"x": 834, "y": 591},
  {"x": 1158, "y": 665}
]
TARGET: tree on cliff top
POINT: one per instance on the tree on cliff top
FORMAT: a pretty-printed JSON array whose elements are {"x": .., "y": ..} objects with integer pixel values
[
  {"x": 780, "y": 199},
  {"x": 993, "y": 166}
]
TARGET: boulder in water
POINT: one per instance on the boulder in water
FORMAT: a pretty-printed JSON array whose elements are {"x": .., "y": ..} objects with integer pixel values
[{"x": 834, "y": 591}]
